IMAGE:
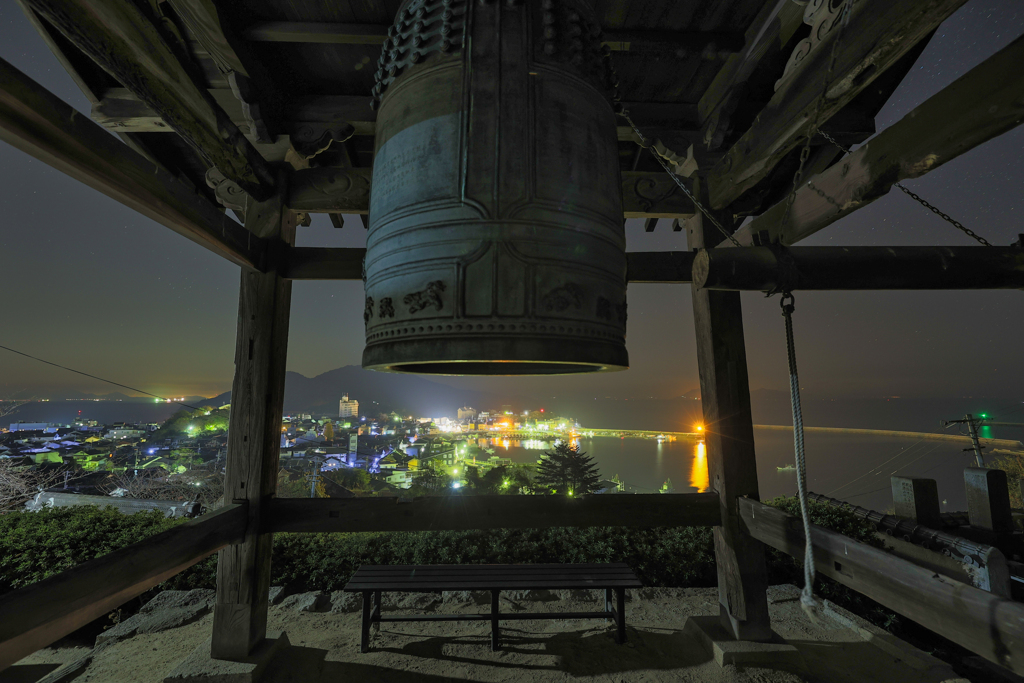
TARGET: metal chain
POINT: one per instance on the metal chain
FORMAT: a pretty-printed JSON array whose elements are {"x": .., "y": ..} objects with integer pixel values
[
  {"x": 806, "y": 151},
  {"x": 678, "y": 181},
  {"x": 916, "y": 197}
]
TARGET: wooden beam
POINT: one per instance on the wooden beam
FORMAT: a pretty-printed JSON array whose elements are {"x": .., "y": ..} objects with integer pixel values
[
  {"x": 729, "y": 436},
  {"x": 451, "y": 513},
  {"x": 768, "y": 34},
  {"x": 125, "y": 41},
  {"x": 37, "y": 615},
  {"x": 323, "y": 263},
  {"x": 346, "y": 263},
  {"x": 675, "y": 267},
  {"x": 375, "y": 34},
  {"x": 978, "y": 620},
  {"x": 980, "y": 105},
  {"x": 772, "y": 269},
  {"x": 120, "y": 110},
  {"x": 317, "y": 32},
  {"x": 347, "y": 190},
  {"x": 714, "y": 43},
  {"x": 38, "y": 123},
  {"x": 254, "y": 438},
  {"x": 879, "y": 33}
]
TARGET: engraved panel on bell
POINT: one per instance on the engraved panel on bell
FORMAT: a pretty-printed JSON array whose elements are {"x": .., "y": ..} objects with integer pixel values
[{"x": 495, "y": 231}]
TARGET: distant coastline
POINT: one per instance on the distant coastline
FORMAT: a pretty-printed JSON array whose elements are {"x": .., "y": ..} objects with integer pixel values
[{"x": 1007, "y": 443}]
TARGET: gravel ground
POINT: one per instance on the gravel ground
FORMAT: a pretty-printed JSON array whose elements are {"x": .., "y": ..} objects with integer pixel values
[{"x": 324, "y": 635}]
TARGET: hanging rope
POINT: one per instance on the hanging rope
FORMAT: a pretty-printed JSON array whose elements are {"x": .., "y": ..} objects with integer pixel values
[{"x": 807, "y": 601}]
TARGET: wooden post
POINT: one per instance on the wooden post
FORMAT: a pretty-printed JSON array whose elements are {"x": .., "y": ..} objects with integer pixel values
[
  {"x": 254, "y": 437},
  {"x": 729, "y": 437}
]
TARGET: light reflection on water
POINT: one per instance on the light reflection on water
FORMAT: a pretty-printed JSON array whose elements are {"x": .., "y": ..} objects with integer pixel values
[
  {"x": 851, "y": 467},
  {"x": 699, "y": 468}
]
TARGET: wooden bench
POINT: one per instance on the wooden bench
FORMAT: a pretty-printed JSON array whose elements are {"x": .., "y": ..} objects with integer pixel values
[{"x": 371, "y": 581}]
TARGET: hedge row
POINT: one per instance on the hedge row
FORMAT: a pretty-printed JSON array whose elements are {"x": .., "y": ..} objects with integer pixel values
[{"x": 36, "y": 545}]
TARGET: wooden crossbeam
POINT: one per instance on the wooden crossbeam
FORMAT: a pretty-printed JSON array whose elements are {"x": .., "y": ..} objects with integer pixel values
[
  {"x": 323, "y": 263},
  {"x": 451, "y": 513},
  {"x": 346, "y": 263},
  {"x": 121, "y": 111},
  {"x": 879, "y": 33},
  {"x": 37, "y": 615},
  {"x": 38, "y": 123},
  {"x": 347, "y": 190},
  {"x": 771, "y": 269},
  {"x": 980, "y": 105},
  {"x": 317, "y": 32},
  {"x": 126, "y": 42},
  {"x": 980, "y": 621},
  {"x": 675, "y": 267},
  {"x": 375, "y": 34}
]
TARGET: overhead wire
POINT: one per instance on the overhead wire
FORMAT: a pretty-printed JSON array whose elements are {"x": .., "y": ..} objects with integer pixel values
[{"x": 102, "y": 379}]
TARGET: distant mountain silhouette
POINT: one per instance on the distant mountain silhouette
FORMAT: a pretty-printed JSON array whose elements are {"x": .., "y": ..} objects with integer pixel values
[{"x": 376, "y": 392}]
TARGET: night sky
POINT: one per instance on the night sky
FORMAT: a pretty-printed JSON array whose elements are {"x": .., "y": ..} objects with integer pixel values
[{"x": 91, "y": 284}]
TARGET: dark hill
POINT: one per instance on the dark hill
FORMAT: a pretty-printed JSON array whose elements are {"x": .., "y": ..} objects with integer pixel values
[{"x": 376, "y": 392}]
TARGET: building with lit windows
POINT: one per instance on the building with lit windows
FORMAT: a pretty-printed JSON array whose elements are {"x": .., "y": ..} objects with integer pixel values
[{"x": 347, "y": 408}]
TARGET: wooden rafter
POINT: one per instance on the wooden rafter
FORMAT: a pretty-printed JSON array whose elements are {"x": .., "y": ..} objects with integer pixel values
[
  {"x": 40, "y": 124},
  {"x": 251, "y": 83},
  {"x": 879, "y": 33},
  {"x": 126, "y": 42},
  {"x": 766, "y": 37},
  {"x": 985, "y": 102}
]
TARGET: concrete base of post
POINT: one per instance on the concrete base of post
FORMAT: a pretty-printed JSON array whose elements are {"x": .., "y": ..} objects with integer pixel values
[
  {"x": 713, "y": 637},
  {"x": 200, "y": 667}
]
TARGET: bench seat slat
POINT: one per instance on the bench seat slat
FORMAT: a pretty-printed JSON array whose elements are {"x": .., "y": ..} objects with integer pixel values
[
  {"x": 487, "y": 585},
  {"x": 427, "y": 576}
]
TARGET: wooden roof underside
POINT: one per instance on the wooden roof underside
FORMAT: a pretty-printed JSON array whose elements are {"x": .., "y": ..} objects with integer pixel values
[{"x": 691, "y": 72}]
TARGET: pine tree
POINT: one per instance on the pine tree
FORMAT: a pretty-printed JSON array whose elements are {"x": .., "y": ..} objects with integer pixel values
[{"x": 569, "y": 471}]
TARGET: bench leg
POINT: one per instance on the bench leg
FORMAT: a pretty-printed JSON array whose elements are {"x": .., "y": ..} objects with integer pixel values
[
  {"x": 364, "y": 643},
  {"x": 620, "y": 615},
  {"x": 495, "y": 632}
]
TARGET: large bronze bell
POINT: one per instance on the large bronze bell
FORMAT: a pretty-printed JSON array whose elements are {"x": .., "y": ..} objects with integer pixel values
[{"x": 495, "y": 244}]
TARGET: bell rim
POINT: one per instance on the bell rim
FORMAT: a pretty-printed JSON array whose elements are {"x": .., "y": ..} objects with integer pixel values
[{"x": 495, "y": 357}]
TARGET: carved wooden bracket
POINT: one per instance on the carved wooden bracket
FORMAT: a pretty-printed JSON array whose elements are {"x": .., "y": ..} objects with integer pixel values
[
  {"x": 330, "y": 190},
  {"x": 310, "y": 138},
  {"x": 254, "y": 113},
  {"x": 823, "y": 16},
  {"x": 229, "y": 194},
  {"x": 653, "y": 195}
]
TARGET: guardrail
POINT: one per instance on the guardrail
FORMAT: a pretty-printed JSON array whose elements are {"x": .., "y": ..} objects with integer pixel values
[
  {"x": 982, "y": 622},
  {"x": 35, "y": 616}
]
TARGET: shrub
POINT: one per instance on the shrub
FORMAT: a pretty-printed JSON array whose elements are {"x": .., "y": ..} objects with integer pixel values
[{"x": 34, "y": 545}]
